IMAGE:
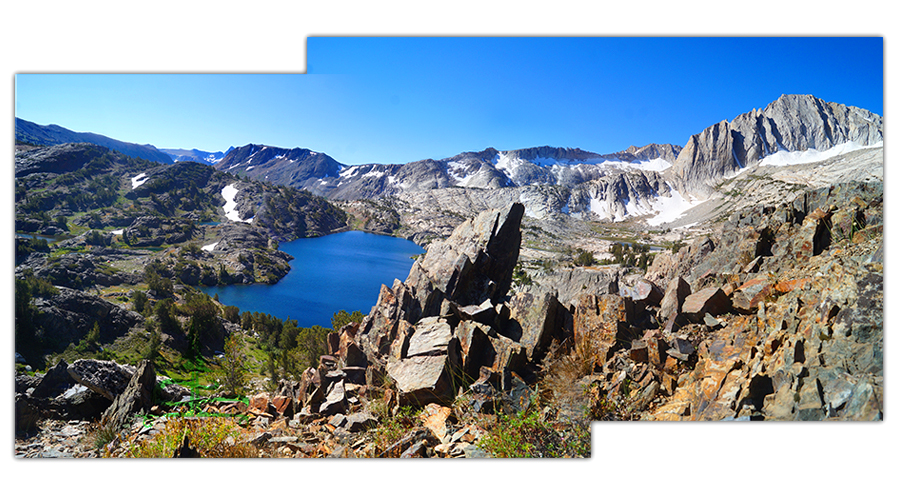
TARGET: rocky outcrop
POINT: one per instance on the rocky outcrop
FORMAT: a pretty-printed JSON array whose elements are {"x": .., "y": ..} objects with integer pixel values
[
  {"x": 786, "y": 324},
  {"x": 56, "y": 159},
  {"x": 451, "y": 322},
  {"x": 106, "y": 378},
  {"x": 156, "y": 231},
  {"x": 136, "y": 397},
  {"x": 791, "y": 123},
  {"x": 76, "y": 270},
  {"x": 85, "y": 389},
  {"x": 69, "y": 315}
]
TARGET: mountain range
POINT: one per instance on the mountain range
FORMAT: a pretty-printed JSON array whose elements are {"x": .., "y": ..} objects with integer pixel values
[
  {"x": 657, "y": 179},
  {"x": 196, "y": 155}
]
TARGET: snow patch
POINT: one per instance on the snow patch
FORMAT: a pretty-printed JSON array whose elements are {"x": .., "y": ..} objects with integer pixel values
[
  {"x": 138, "y": 180},
  {"x": 785, "y": 158},
  {"x": 229, "y": 192},
  {"x": 210, "y": 247},
  {"x": 373, "y": 173},
  {"x": 654, "y": 165},
  {"x": 120, "y": 232},
  {"x": 350, "y": 172},
  {"x": 599, "y": 207},
  {"x": 671, "y": 208}
]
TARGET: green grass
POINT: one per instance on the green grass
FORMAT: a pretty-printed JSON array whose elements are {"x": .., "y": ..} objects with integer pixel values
[{"x": 527, "y": 435}]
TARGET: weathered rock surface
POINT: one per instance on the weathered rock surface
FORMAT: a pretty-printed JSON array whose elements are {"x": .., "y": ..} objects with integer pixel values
[
  {"x": 792, "y": 123},
  {"x": 135, "y": 398},
  {"x": 106, "y": 378}
]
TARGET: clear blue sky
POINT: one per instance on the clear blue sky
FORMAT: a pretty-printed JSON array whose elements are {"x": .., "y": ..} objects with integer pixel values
[{"x": 395, "y": 100}]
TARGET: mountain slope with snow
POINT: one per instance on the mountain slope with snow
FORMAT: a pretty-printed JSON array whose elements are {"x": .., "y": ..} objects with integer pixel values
[
  {"x": 196, "y": 155},
  {"x": 792, "y": 123}
]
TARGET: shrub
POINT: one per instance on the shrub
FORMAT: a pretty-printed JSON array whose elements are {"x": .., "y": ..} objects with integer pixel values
[
  {"x": 139, "y": 299},
  {"x": 343, "y": 318},
  {"x": 584, "y": 258},
  {"x": 234, "y": 364},
  {"x": 527, "y": 434},
  {"x": 215, "y": 437}
]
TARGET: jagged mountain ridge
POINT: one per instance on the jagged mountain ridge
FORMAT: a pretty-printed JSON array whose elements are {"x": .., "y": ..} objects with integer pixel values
[
  {"x": 658, "y": 181},
  {"x": 209, "y": 158},
  {"x": 791, "y": 123},
  {"x": 487, "y": 169},
  {"x": 653, "y": 180},
  {"x": 51, "y": 135}
]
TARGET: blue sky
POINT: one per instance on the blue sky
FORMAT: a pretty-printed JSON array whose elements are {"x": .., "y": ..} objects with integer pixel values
[{"x": 396, "y": 99}]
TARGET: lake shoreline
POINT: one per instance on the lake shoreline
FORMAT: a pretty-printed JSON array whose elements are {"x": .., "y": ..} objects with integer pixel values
[{"x": 343, "y": 270}]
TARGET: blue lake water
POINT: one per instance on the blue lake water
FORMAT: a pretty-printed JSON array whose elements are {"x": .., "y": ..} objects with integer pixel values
[{"x": 329, "y": 273}]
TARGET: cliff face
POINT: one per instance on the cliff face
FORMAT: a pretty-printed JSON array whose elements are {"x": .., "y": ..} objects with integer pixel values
[{"x": 791, "y": 123}]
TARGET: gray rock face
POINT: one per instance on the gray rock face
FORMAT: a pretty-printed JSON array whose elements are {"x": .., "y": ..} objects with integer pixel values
[
  {"x": 136, "y": 397},
  {"x": 477, "y": 261},
  {"x": 56, "y": 159},
  {"x": 618, "y": 196},
  {"x": 76, "y": 270},
  {"x": 792, "y": 123},
  {"x": 54, "y": 382},
  {"x": 69, "y": 315},
  {"x": 291, "y": 167}
]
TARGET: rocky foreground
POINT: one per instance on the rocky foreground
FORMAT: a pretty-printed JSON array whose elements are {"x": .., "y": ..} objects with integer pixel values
[{"x": 778, "y": 315}]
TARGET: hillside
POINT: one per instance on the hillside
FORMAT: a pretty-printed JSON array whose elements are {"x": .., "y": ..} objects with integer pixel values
[{"x": 49, "y": 135}]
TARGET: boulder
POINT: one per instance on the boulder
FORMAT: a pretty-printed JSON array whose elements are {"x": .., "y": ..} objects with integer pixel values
[
  {"x": 335, "y": 401},
  {"x": 432, "y": 337},
  {"x": 284, "y": 405},
  {"x": 748, "y": 296},
  {"x": 534, "y": 321},
  {"x": 360, "y": 421},
  {"x": 260, "y": 402},
  {"x": 643, "y": 292},
  {"x": 434, "y": 418},
  {"x": 677, "y": 290},
  {"x": 137, "y": 396},
  {"x": 476, "y": 348},
  {"x": 54, "y": 382},
  {"x": 422, "y": 379},
  {"x": 600, "y": 322},
  {"x": 27, "y": 415},
  {"x": 104, "y": 377},
  {"x": 480, "y": 313},
  {"x": 710, "y": 300},
  {"x": 476, "y": 262}
]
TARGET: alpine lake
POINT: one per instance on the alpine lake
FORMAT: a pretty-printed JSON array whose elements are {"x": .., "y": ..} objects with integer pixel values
[{"x": 341, "y": 271}]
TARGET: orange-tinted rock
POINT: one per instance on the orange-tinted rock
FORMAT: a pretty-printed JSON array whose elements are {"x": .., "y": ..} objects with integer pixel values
[
  {"x": 709, "y": 300},
  {"x": 599, "y": 322},
  {"x": 791, "y": 285},
  {"x": 747, "y": 298},
  {"x": 284, "y": 405},
  {"x": 260, "y": 401}
]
